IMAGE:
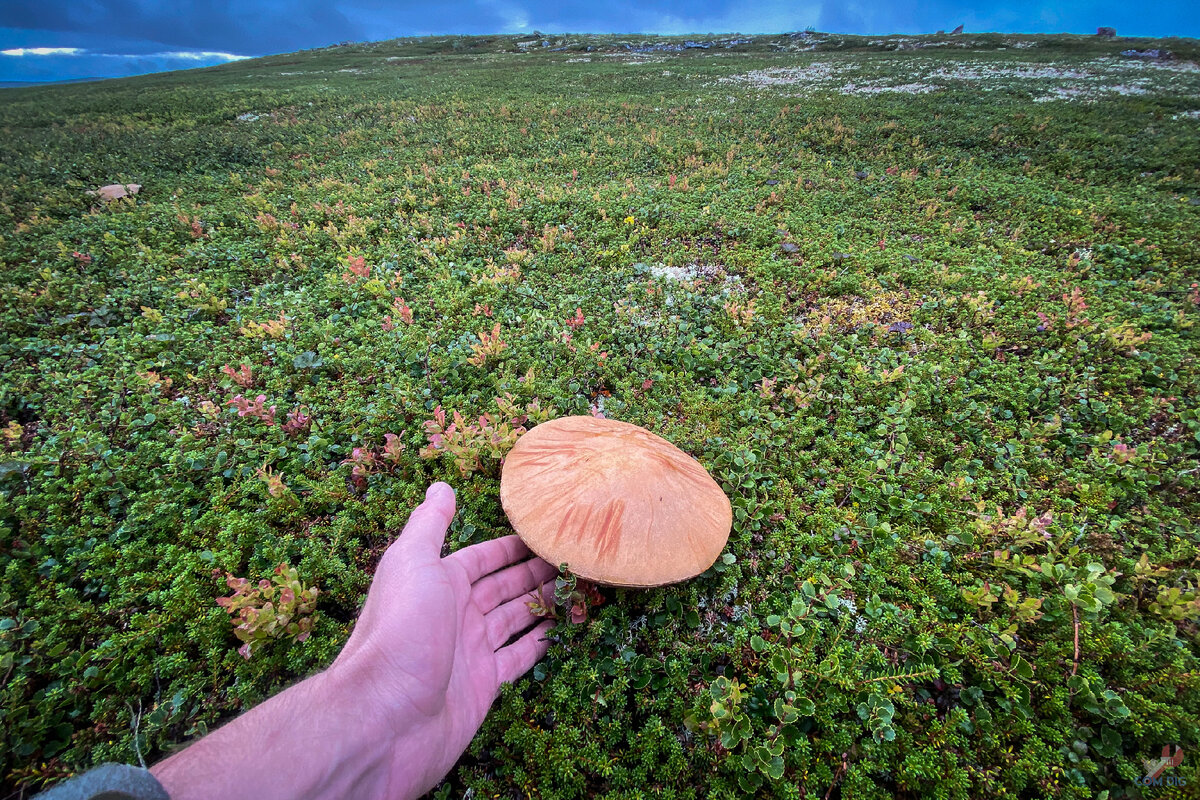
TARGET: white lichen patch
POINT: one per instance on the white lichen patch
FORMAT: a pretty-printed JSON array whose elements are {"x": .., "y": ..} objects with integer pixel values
[
  {"x": 1087, "y": 81},
  {"x": 1135, "y": 65},
  {"x": 706, "y": 273},
  {"x": 975, "y": 73},
  {"x": 815, "y": 74},
  {"x": 877, "y": 88}
]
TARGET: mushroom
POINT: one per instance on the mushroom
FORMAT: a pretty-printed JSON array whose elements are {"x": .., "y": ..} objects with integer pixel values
[{"x": 615, "y": 503}]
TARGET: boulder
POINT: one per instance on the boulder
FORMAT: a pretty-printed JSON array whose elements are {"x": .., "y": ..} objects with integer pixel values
[
  {"x": 1156, "y": 54},
  {"x": 115, "y": 191},
  {"x": 1107, "y": 32},
  {"x": 956, "y": 30}
]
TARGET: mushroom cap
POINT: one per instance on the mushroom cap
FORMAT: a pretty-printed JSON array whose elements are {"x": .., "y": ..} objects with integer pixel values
[{"x": 615, "y": 503}]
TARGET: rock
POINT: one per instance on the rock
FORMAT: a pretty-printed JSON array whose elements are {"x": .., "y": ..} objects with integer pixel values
[
  {"x": 115, "y": 191},
  {"x": 1109, "y": 32},
  {"x": 840, "y": 257},
  {"x": 772, "y": 182},
  {"x": 956, "y": 30},
  {"x": 861, "y": 175},
  {"x": 1148, "y": 55},
  {"x": 911, "y": 258},
  {"x": 790, "y": 247}
]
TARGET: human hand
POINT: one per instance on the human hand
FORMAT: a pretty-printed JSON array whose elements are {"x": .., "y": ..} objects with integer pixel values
[
  {"x": 407, "y": 693},
  {"x": 430, "y": 647}
]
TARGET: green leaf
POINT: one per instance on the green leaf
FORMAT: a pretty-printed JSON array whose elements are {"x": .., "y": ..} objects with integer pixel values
[
  {"x": 1020, "y": 666},
  {"x": 307, "y": 360},
  {"x": 750, "y": 782}
]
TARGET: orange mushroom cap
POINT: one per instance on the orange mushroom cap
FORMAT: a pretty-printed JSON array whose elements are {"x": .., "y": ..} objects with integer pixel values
[{"x": 615, "y": 503}]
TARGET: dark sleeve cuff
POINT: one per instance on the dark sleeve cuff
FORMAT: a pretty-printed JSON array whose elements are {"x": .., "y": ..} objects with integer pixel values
[{"x": 108, "y": 782}]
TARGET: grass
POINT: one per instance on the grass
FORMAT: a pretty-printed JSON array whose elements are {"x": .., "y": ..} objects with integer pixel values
[{"x": 925, "y": 306}]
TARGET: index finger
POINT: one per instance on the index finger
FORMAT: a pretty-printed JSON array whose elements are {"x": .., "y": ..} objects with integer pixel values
[{"x": 485, "y": 558}]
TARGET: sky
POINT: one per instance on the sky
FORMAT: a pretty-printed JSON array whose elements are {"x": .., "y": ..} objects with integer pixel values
[{"x": 42, "y": 40}]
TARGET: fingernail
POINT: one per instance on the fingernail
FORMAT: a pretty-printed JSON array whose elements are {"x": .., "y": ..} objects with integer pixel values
[{"x": 439, "y": 491}]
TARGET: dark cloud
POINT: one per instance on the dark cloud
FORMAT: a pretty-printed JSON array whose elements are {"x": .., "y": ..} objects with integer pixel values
[
  {"x": 259, "y": 27},
  {"x": 248, "y": 26},
  {"x": 264, "y": 26}
]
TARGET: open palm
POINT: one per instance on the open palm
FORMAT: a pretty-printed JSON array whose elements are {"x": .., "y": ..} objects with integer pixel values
[{"x": 432, "y": 642}]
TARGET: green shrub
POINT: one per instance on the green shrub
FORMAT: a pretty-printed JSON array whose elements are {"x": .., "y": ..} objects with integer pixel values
[{"x": 938, "y": 349}]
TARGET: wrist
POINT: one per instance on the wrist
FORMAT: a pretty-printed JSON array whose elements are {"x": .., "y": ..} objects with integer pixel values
[
  {"x": 310, "y": 741},
  {"x": 400, "y": 738}
]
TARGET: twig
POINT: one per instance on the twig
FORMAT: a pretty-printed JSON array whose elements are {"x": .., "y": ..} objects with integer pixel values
[
  {"x": 842, "y": 502},
  {"x": 137, "y": 720},
  {"x": 539, "y": 301},
  {"x": 837, "y": 776},
  {"x": 1075, "y": 614}
]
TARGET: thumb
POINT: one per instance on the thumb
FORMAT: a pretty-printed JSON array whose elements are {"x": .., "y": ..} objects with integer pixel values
[{"x": 425, "y": 531}]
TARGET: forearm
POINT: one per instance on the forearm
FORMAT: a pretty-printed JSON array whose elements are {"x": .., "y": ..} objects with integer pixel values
[{"x": 310, "y": 741}]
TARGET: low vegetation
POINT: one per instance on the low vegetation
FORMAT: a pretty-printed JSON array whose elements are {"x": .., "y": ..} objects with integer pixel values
[{"x": 926, "y": 307}]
